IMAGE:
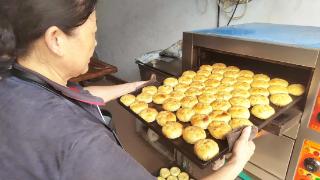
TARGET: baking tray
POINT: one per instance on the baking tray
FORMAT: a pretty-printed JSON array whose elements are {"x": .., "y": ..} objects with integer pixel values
[{"x": 187, "y": 149}]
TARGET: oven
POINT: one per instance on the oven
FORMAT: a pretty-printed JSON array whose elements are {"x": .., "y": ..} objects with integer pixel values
[{"x": 290, "y": 145}]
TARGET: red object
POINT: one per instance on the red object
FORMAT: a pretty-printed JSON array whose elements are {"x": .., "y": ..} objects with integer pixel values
[
  {"x": 309, "y": 149},
  {"x": 315, "y": 122}
]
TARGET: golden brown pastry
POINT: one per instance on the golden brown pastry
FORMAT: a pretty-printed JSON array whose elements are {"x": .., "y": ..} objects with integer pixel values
[
  {"x": 218, "y": 71},
  {"x": 232, "y": 68},
  {"x": 201, "y": 120},
  {"x": 197, "y": 84},
  {"x": 258, "y": 100},
  {"x": 206, "y": 67},
  {"x": 278, "y": 82},
  {"x": 239, "y": 101},
  {"x": 177, "y": 95},
  {"x": 150, "y": 89},
  {"x": 189, "y": 101},
  {"x": 245, "y": 79},
  {"x": 165, "y": 89},
  {"x": 221, "y": 105},
  {"x": 259, "y": 84},
  {"x": 222, "y": 116},
  {"x": 259, "y": 91},
  {"x": 164, "y": 172},
  {"x": 237, "y": 123},
  {"x": 138, "y": 106},
  {"x": 240, "y": 93},
  {"x": 192, "y": 134},
  {"x": 218, "y": 66},
  {"x": 160, "y": 98},
  {"x": 185, "y": 114},
  {"x": 225, "y": 88},
  {"x": 203, "y": 73},
  {"x": 185, "y": 80},
  {"x": 231, "y": 74},
  {"x": 242, "y": 86},
  {"x": 296, "y": 89},
  {"x": 219, "y": 131},
  {"x": 181, "y": 87},
  {"x": 223, "y": 95},
  {"x": 261, "y": 77},
  {"x": 183, "y": 176},
  {"x": 149, "y": 114},
  {"x": 228, "y": 81},
  {"x": 206, "y": 149},
  {"x": 160, "y": 178},
  {"x": 172, "y": 178},
  {"x": 212, "y": 83},
  {"x": 206, "y": 98},
  {"x": 202, "y": 108},
  {"x": 144, "y": 97},
  {"x": 193, "y": 92},
  {"x": 238, "y": 112},
  {"x": 209, "y": 90},
  {"x": 172, "y": 130},
  {"x": 171, "y": 81},
  {"x": 127, "y": 99},
  {"x": 216, "y": 76},
  {"x": 262, "y": 111},
  {"x": 246, "y": 73},
  {"x": 171, "y": 104},
  {"x": 165, "y": 116},
  {"x": 281, "y": 99},
  {"x": 175, "y": 171},
  {"x": 200, "y": 78},
  {"x": 274, "y": 89},
  {"x": 189, "y": 74}
]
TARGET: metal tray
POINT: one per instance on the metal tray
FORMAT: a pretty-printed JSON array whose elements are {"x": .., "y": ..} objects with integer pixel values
[{"x": 187, "y": 149}]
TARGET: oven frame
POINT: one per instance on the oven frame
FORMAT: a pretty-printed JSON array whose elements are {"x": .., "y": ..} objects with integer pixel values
[{"x": 269, "y": 52}]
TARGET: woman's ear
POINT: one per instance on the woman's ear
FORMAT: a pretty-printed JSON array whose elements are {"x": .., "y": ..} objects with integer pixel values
[{"x": 54, "y": 39}]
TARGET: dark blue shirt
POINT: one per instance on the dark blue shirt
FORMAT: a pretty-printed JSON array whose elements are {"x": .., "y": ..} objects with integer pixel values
[{"x": 45, "y": 136}]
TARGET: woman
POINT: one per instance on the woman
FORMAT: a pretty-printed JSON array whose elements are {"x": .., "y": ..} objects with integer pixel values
[{"x": 49, "y": 130}]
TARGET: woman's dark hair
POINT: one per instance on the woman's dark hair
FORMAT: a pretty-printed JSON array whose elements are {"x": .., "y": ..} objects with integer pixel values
[{"x": 24, "y": 21}]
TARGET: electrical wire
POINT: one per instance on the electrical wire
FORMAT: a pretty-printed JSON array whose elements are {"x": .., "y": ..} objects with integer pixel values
[
  {"x": 225, "y": 8},
  {"x": 218, "y": 15},
  {"x": 234, "y": 11}
]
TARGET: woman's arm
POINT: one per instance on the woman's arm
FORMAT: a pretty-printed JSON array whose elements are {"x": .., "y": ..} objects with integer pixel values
[
  {"x": 242, "y": 151},
  {"x": 108, "y": 93}
]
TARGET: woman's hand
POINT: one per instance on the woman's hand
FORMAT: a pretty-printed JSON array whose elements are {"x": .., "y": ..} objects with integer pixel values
[
  {"x": 241, "y": 153},
  {"x": 141, "y": 84},
  {"x": 243, "y": 148}
]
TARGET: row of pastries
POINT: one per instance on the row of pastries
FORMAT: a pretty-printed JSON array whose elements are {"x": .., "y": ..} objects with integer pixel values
[{"x": 217, "y": 98}]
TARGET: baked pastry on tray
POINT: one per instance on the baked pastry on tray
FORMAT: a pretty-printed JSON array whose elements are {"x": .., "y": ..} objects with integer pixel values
[
  {"x": 192, "y": 134},
  {"x": 149, "y": 114},
  {"x": 150, "y": 89},
  {"x": 172, "y": 130},
  {"x": 262, "y": 111},
  {"x": 296, "y": 89},
  {"x": 165, "y": 116},
  {"x": 185, "y": 114},
  {"x": 206, "y": 149},
  {"x": 127, "y": 99},
  {"x": 138, "y": 106},
  {"x": 171, "y": 104},
  {"x": 281, "y": 99},
  {"x": 219, "y": 131}
]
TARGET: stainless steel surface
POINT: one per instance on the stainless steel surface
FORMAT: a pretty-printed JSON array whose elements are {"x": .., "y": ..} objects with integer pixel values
[
  {"x": 292, "y": 132},
  {"x": 258, "y": 173},
  {"x": 263, "y": 51},
  {"x": 304, "y": 131},
  {"x": 272, "y": 154}
]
